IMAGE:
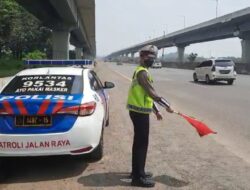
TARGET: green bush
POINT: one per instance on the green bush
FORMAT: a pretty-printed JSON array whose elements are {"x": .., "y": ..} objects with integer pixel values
[
  {"x": 10, "y": 66},
  {"x": 35, "y": 55}
]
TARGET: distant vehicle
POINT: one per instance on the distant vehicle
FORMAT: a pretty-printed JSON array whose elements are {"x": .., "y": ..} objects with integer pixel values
[
  {"x": 215, "y": 70},
  {"x": 54, "y": 111},
  {"x": 119, "y": 63},
  {"x": 157, "y": 64}
]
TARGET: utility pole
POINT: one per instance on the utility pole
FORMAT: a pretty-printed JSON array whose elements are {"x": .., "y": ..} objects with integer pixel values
[
  {"x": 184, "y": 20},
  {"x": 217, "y": 5},
  {"x": 217, "y": 2}
]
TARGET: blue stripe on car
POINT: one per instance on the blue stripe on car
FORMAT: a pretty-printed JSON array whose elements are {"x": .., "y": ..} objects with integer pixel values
[{"x": 60, "y": 123}]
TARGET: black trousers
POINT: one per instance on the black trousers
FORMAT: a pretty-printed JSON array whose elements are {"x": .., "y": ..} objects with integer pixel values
[{"x": 140, "y": 144}]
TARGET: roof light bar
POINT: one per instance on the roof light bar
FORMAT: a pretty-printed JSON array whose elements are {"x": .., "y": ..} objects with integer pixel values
[{"x": 59, "y": 62}]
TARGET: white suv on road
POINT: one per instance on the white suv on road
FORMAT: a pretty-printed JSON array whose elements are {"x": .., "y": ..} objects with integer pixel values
[
  {"x": 157, "y": 64},
  {"x": 215, "y": 70}
]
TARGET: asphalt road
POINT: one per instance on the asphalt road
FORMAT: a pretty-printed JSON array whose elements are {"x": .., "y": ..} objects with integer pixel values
[
  {"x": 223, "y": 107},
  {"x": 177, "y": 156}
]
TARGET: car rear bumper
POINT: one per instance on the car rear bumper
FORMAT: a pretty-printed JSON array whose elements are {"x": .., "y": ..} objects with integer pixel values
[
  {"x": 83, "y": 138},
  {"x": 222, "y": 77}
]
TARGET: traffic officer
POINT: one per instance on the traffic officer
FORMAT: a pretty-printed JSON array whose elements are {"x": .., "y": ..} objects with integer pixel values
[{"x": 141, "y": 102}]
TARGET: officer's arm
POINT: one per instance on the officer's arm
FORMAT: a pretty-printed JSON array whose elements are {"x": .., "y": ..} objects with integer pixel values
[{"x": 143, "y": 80}]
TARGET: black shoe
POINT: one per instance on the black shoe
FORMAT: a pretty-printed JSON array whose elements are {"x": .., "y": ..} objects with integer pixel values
[
  {"x": 147, "y": 175},
  {"x": 142, "y": 182}
]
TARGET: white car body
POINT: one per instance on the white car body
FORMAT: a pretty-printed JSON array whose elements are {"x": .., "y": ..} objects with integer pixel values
[
  {"x": 85, "y": 134},
  {"x": 215, "y": 70}
]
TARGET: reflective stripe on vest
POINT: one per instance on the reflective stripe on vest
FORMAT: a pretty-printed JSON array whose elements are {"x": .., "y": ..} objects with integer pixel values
[{"x": 138, "y": 98}]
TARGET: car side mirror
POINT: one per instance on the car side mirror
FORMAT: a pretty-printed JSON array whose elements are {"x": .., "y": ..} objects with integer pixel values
[{"x": 109, "y": 85}]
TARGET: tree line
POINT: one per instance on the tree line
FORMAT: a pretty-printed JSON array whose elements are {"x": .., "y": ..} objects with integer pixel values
[{"x": 21, "y": 33}]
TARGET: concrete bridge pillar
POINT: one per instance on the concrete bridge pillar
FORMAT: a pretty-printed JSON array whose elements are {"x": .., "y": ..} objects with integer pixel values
[
  {"x": 132, "y": 55},
  {"x": 245, "y": 43},
  {"x": 181, "y": 51},
  {"x": 78, "y": 52},
  {"x": 60, "y": 40},
  {"x": 86, "y": 55},
  {"x": 163, "y": 51}
]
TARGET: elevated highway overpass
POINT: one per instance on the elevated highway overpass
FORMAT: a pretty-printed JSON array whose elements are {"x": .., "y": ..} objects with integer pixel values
[
  {"x": 71, "y": 21},
  {"x": 236, "y": 24}
]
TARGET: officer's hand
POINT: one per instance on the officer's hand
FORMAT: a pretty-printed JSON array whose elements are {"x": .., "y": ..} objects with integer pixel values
[
  {"x": 159, "y": 116},
  {"x": 170, "y": 110}
]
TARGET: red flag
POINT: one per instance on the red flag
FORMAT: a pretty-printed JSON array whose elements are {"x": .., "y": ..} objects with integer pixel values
[{"x": 201, "y": 128}]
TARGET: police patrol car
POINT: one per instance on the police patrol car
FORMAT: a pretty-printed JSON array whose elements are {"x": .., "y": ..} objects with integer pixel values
[{"x": 54, "y": 111}]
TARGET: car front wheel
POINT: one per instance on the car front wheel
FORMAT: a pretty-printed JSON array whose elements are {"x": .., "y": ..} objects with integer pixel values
[
  {"x": 207, "y": 79},
  {"x": 195, "y": 77}
]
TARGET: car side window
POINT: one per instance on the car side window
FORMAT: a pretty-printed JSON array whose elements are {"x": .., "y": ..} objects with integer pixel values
[
  {"x": 209, "y": 63},
  {"x": 202, "y": 64},
  {"x": 94, "y": 84},
  {"x": 206, "y": 63}
]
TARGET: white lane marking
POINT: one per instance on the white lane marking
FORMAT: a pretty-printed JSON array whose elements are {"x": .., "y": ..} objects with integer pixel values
[
  {"x": 124, "y": 76},
  {"x": 129, "y": 79},
  {"x": 199, "y": 84}
]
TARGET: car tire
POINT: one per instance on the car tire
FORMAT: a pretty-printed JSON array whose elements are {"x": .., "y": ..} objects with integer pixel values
[
  {"x": 208, "y": 81},
  {"x": 230, "y": 82},
  {"x": 97, "y": 153},
  {"x": 107, "y": 121},
  {"x": 2, "y": 169},
  {"x": 195, "y": 77}
]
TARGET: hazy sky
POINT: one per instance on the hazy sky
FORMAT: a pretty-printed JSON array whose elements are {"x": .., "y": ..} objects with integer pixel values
[{"x": 123, "y": 23}]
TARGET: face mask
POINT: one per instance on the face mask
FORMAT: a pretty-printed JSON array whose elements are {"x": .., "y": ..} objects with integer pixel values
[{"x": 149, "y": 62}]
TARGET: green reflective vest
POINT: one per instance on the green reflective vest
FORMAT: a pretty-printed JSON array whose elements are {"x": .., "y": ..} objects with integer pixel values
[{"x": 138, "y": 99}]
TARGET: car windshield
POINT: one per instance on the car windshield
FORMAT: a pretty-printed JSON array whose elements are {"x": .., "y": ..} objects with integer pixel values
[
  {"x": 45, "y": 84},
  {"x": 224, "y": 63}
]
